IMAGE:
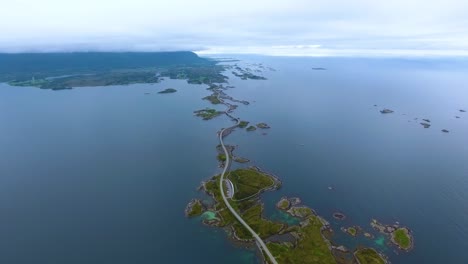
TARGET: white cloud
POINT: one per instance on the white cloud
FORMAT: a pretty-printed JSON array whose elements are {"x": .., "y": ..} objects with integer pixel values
[{"x": 325, "y": 27}]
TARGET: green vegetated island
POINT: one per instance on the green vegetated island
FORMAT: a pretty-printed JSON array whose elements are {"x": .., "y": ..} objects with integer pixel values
[{"x": 307, "y": 239}]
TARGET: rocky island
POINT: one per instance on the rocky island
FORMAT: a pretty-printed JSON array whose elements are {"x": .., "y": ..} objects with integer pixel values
[
  {"x": 263, "y": 125},
  {"x": 168, "y": 90},
  {"x": 400, "y": 236},
  {"x": 208, "y": 113},
  {"x": 251, "y": 128},
  {"x": 425, "y": 125},
  {"x": 386, "y": 111}
]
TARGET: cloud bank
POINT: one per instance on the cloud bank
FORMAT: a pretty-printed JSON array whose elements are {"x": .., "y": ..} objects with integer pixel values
[{"x": 286, "y": 28}]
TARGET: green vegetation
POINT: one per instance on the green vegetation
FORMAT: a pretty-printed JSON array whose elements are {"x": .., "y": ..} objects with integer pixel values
[
  {"x": 249, "y": 209},
  {"x": 207, "y": 73},
  {"x": 168, "y": 90},
  {"x": 66, "y": 70},
  {"x": 212, "y": 98},
  {"x": 263, "y": 125},
  {"x": 207, "y": 113},
  {"x": 402, "y": 238},
  {"x": 251, "y": 128},
  {"x": 243, "y": 124},
  {"x": 253, "y": 217},
  {"x": 368, "y": 256},
  {"x": 195, "y": 208},
  {"x": 310, "y": 247},
  {"x": 352, "y": 231},
  {"x": 248, "y": 182},
  {"x": 221, "y": 157},
  {"x": 283, "y": 204}
]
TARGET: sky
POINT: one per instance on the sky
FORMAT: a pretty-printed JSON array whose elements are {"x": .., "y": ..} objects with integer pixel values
[{"x": 284, "y": 28}]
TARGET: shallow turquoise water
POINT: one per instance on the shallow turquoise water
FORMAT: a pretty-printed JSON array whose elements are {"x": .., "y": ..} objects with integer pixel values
[{"x": 380, "y": 241}]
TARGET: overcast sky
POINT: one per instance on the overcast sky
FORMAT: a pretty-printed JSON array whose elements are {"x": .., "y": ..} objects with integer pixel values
[{"x": 292, "y": 27}]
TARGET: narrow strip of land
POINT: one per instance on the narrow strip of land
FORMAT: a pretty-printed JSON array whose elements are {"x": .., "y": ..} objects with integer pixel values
[{"x": 221, "y": 189}]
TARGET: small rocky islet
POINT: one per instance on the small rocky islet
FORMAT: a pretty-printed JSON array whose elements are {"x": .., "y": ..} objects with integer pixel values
[
  {"x": 425, "y": 124},
  {"x": 167, "y": 91},
  {"x": 386, "y": 111}
]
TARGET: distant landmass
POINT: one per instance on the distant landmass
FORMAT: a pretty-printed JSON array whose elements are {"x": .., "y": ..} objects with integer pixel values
[{"x": 67, "y": 70}]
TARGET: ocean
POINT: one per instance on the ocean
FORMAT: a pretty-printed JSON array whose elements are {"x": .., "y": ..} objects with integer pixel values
[{"x": 103, "y": 174}]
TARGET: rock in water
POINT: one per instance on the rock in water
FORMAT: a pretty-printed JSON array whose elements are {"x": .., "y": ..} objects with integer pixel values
[
  {"x": 425, "y": 125},
  {"x": 386, "y": 111}
]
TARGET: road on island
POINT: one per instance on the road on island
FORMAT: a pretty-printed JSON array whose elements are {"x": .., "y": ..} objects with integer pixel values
[{"x": 221, "y": 188}]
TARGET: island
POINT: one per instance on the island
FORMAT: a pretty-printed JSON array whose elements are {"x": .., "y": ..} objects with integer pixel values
[
  {"x": 304, "y": 243},
  {"x": 425, "y": 125},
  {"x": 212, "y": 98},
  {"x": 399, "y": 236},
  {"x": 168, "y": 90},
  {"x": 243, "y": 124},
  {"x": 251, "y": 128},
  {"x": 241, "y": 160},
  {"x": 283, "y": 204},
  {"x": 339, "y": 216},
  {"x": 246, "y": 74},
  {"x": 353, "y": 230},
  {"x": 386, "y": 111},
  {"x": 208, "y": 113},
  {"x": 402, "y": 238},
  {"x": 263, "y": 125}
]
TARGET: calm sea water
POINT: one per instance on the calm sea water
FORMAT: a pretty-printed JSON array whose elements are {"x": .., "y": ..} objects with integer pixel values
[{"x": 102, "y": 175}]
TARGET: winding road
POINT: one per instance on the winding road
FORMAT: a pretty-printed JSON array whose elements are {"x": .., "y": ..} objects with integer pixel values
[{"x": 221, "y": 189}]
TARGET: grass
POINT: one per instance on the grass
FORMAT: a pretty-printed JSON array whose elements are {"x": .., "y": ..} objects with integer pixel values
[
  {"x": 207, "y": 113},
  {"x": 368, "y": 256},
  {"x": 284, "y": 204},
  {"x": 243, "y": 124},
  {"x": 310, "y": 248},
  {"x": 248, "y": 182},
  {"x": 263, "y": 227},
  {"x": 402, "y": 238},
  {"x": 263, "y": 125},
  {"x": 212, "y": 98},
  {"x": 197, "y": 209},
  {"x": 352, "y": 231},
  {"x": 221, "y": 157}
]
